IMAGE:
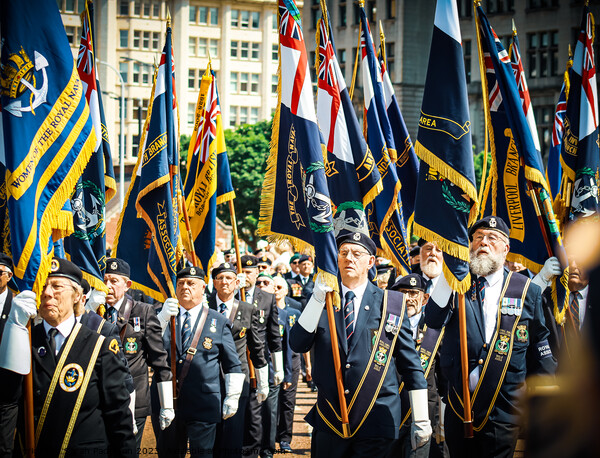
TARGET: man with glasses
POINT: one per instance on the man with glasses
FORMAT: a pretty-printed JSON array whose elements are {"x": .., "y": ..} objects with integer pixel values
[
  {"x": 301, "y": 287},
  {"x": 507, "y": 341},
  {"x": 294, "y": 267},
  {"x": 264, "y": 264},
  {"x": 240, "y": 315},
  {"x": 374, "y": 341},
  {"x": 80, "y": 401},
  {"x": 265, "y": 282}
]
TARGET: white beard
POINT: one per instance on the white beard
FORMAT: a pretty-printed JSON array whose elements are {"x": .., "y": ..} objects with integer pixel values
[
  {"x": 485, "y": 264},
  {"x": 432, "y": 269}
]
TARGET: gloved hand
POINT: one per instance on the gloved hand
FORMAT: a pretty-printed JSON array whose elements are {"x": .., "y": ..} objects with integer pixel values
[
  {"x": 165, "y": 395},
  {"x": 15, "y": 347},
  {"x": 170, "y": 308},
  {"x": 550, "y": 270},
  {"x": 24, "y": 307},
  {"x": 312, "y": 312},
  {"x": 262, "y": 383},
  {"x": 96, "y": 299},
  {"x": 442, "y": 292},
  {"x": 277, "y": 359},
  {"x": 242, "y": 279},
  {"x": 132, "y": 410},
  {"x": 420, "y": 430},
  {"x": 234, "y": 383}
]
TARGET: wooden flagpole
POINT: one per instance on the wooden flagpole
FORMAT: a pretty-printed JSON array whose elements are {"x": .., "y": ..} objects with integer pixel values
[
  {"x": 236, "y": 243},
  {"x": 28, "y": 404},
  {"x": 464, "y": 363}
]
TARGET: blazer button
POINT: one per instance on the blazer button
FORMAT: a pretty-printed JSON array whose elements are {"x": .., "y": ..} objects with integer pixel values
[
  {"x": 347, "y": 392},
  {"x": 484, "y": 345},
  {"x": 347, "y": 366},
  {"x": 480, "y": 361}
]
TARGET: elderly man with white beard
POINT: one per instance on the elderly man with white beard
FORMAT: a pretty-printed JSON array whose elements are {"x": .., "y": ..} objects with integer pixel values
[{"x": 507, "y": 341}]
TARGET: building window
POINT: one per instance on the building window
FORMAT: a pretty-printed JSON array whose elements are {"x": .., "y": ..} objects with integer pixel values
[
  {"x": 253, "y": 115},
  {"x": 275, "y": 19},
  {"x": 193, "y": 11},
  {"x": 467, "y": 55},
  {"x": 140, "y": 109},
  {"x": 156, "y": 9},
  {"x": 136, "y": 73},
  {"x": 123, "y": 38},
  {"x": 136, "y": 39},
  {"x": 244, "y": 83},
  {"x": 203, "y": 15},
  {"x": 341, "y": 55},
  {"x": 542, "y": 54},
  {"x": 311, "y": 63},
  {"x": 315, "y": 13},
  {"x": 500, "y": 6},
  {"x": 72, "y": 35},
  {"x": 255, "y": 20},
  {"x": 123, "y": 70},
  {"x": 146, "y": 74},
  {"x": 371, "y": 10},
  {"x": 234, "y": 49},
  {"x": 135, "y": 140},
  {"x": 244, "y": 50},
  {"x": 243, "y": 115},
  {"x": 233, "y": 82},
  {"x": 202, "y": 47},
  {"x": 192, "y": 78},
  {"x": 255, "y": 51},
  {"x": 275, "y": 52},
  {"x": 233, "y": 116},
  {"x": 146, "y": 40},
  {"x": 213, "y": 48},
  {"x": 69, "y": 6},
  {"x": 356, "y": 14},
  {"x": 544, "y": 116},
  {"x": 124, "y": 7},
  {"x": 147, "y": 6},
  {"x": 245, "y": 19},
  {"x": 254, "y": 83},
  {"x": 191, "y": 114},
  {"x": 342, "y": 9},
  {"x": 274, "y": 83},
  {"x": 192, "y": 46},
  {"x": 390, "y": 51},
  {"x": 137, "y": 8},
  {"x": 235, "y": 14},
  {"x": 214, "y": 16},
  {"x": 391, "y": 9},
  {"x": 465, "y": 8},
  {"x": 155, "y": 40}
]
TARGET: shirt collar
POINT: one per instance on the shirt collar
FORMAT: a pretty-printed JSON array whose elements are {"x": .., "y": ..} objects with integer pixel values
[
  {"x": 495, "y": 277},
  {"x": 119, "y": 303},
  {"x": 64, "y": 328},
  {"x": 359, "y": 291}
]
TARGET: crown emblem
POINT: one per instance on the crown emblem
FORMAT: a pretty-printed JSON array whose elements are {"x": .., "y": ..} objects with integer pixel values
[
  {"x": 413, "y": 281},
  {"x": 113, "y": 265},
  {"x": 226, "y": 265},
  {"x": 493, "y": 222},
  {"x": 19, "y": 67},
  {"x": 356, "y": 236},
  {"x": 193, "y": 271}
]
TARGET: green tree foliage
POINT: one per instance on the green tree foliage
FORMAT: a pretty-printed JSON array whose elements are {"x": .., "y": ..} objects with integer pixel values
[
  {"x": 247, "y": 150},
  {"x": 478, "y": 163}
]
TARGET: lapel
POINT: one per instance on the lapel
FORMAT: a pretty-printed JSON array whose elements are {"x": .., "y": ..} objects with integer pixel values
[
  {"x": 371, "y": 298},
  {"x": 38, "y": 340},
  {"x": 212, "y": 301},
  {"x": 477, "y": 309}
]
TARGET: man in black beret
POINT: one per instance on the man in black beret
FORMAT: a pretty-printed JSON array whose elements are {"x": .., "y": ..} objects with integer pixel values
[
  {"x": 78, "y": 378},
  {"x": 140, "y": 330},
  {"x": 374, "y": 341},
  {"x": 301, "y": 286},
  {"x": 264, "y": 264},
  {"x": 507, "y": 341}
]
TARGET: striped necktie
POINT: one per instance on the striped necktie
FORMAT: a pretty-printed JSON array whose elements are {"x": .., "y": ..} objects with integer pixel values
[
  {"x": 575, "y": 309},
  {"x": 349, "y": 315},
  {"x": 481, "y": 282},
  {"x": 186, "y": 332},
  {"x": 223, "y": 308},
  {"x": 111, "y": 315}
]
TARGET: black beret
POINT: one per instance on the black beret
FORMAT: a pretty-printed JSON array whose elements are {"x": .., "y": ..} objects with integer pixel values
[
  {"x": 191, "y": 272},
  {"x": 304, "y": 258},
  {"x": 64, "y": 268},
  {"x": 5, "y": 260},
  {"x": 490, "y": 222},
  {"x": 225, "y": 267},
  {"x": 118, "y": 266},
  {"x": 85, "y": 285},
  {"x": 249, "y": 261},
  {"x": 410, "y": 281},
  {"x": 265, "y": 260},
  {"x": 415, "y": 250},
  {"x": 358, "y": 238},
  {"x": 421, "y": 242},
  {"x": 383, "y": 268},
  {"x": 229, "y": 251}
]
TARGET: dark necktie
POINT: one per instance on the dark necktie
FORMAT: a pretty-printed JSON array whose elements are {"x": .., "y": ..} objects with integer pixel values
[
  {"x": 111, "y": 315},
  {"x": 575, "y": 309},
  {"x": 481, "y": 282},
  {"x": 51, "y": 340},
  {"x": 186, "y": 332},
  {"x": 223, "y": 308},
  {"x": 428, "y": 285},
  {"x": 349, "y": 314}
]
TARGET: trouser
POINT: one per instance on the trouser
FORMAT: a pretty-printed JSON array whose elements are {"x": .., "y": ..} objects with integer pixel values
[
  {"x": 10, "y": 383},
  {"x": 402, "y": 447},
  {"x": 140, "y": 423},
  {"x": 287, "y": 403},
  {"x": 330, "y": 445},
  {"x": 173, "y": 441},
  {"x": 230, "y": 433},
  {"x": 495, "y": 440},
  {"x": 270, "y": 412},
  {"x": 253, "y": 426}
]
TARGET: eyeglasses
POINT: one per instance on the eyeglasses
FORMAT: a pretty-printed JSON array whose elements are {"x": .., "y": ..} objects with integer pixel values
[
  {"x": 356, "y": 254},
  {"x": 295, "y": 262},
  {"x": 412, "y": 292},
  {"x": 225, "y": 279},
  {"x": 492, "y": 238},
  {"x": 262, "y": 282},
  {"x": 58, "y": 287},
  {"x": 2, "y": 272}
]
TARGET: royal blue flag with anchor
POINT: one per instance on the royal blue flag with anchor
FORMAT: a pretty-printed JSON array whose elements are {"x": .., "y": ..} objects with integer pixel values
[
  {"x": 295, "y": 203},
  {"x": 580, "y": 154},
  {"x": 86, "y": 247},
  {"x": 385, "y": 214},
  {"x": 516, "y": 158},
  {"x": 352, "y": 174},
  {"x": 48, "y": 129},
  {"x": 446, "y": 202}
]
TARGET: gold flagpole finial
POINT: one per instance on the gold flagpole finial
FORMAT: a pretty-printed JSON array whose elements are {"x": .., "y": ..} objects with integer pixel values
[
  {"x": 168, "y": 17},
  {"x": 570, "y": 52},
  {"x": 514, "y": 27},
  {"x": 381, "y": 35},
  {"x": 477, "y": 3},
  {"x": 361, "y": 3}
]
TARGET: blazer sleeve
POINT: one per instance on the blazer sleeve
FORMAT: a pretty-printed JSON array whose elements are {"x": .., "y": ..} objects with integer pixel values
[
  {"x": 258, "y": 352},
  {"x": 408, "y": 362},
  {"x": 273, "y": 336},
  {"x": 230, "y": 363},
  {"x": 155, "y": 351},
  {"x": 435, "y": 316},
  {"x": 540, "y": 359}
]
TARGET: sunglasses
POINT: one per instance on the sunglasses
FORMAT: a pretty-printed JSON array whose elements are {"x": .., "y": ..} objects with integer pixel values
[{"x": 262, "y": 282}]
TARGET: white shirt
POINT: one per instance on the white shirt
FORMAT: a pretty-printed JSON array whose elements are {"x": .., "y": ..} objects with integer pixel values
[
  {"x": 414, "y": 324},
  {"x": 3, "y": 297},
  {"x": 433, "y": 281},
  {"x": 228, "y": 306},
  {"x": 493, "y": 289},
  {"x": 194, "y": 312},
  {"x": 358, "y": 293},
  {"x": 250, "y": 294},
  {"x": 64, "y": 329},
  {"x": 118, "y": 304}
]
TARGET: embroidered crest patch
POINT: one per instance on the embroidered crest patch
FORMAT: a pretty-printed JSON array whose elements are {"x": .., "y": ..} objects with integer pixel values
[
  {"x": 208, "y": 343},
  {"x": 131, "y": 346},
  {"x": 114, "y": 346},
  {"x": 522, "y": 333},
  {"x": 71, "y": 377}
]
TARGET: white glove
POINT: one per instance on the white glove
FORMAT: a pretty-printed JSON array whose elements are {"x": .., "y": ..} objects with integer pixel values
[
  {"x": 314, "y": 307},
  {"x": 96, "y": 299},
  {"x": 234, "y": 383},
  {"x": 277, "y": 359},
  {"x": 441, "y": 293},
  {"x": 165, "y": 395},
  {"x": 132, "y": 410},
  {"x": 420, "y": 430},
  {"x": 550, "y": 270},
  {"x": 262, "y": 383},
  {"x": 242, "y": 280},
  {"x": 15, "y": 349},
  {"x": 170, "y": 308}
]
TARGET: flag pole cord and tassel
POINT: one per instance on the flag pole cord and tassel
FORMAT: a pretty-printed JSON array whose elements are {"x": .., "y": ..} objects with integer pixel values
[{"x": 236, "y": 243}]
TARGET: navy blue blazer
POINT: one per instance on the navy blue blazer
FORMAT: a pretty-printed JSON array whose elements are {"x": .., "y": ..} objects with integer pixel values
[
  {"x": 385, "y": 416},
  {"x": 528, "y": 358},
  {"x": 200, "y": 395}
]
